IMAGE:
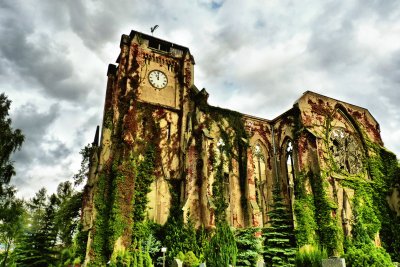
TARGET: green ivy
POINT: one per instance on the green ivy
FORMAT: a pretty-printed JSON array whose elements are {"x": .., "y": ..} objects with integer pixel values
[
  {"x": 101, "y": 251},
  {"x": 144, "y": 178},
  {"x": 304, "y": 209}
]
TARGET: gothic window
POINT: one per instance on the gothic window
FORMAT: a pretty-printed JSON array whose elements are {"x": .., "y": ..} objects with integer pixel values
[
  {"x": 260, "y": 177},
  {"x": 169, "y": 131},
  {"x": 346, "y": 151},
  {"x": 289, "y": 163},
  {"x": 219, "y": 151},
  {"x": 290, "y": 172},
  {"x": 188, "y": 122},
  {"x": 144, "y": 125}
]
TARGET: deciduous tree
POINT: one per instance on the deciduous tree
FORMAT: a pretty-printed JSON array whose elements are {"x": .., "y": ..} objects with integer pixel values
[{"x": 10, "y": 141}]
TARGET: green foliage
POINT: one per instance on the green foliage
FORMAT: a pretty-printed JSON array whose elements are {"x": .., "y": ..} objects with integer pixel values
[
  {"x": 86, "y": 154},
  {"x": 175, "y": 234},
  {"x": 144, "y": 178},
  {"x": 304, "y": 209},
  {"x": 202, "y": 237},
  {"x": 67, "y": 217},
  {"x": 180, "y": 256},
  {"x": 279, "y": 245},
  {"x": 116, "y": 222},
  {"x": 141, "y": 257},
  {"x": 367, "y": 255},
  {"x": 218, "y": 189},
  {"x": 123, "y": 259},
  {"x": 10, "y": 141},
  {"x": 234, "y": 147},
  {"x": 329, "y": 229},
  {"x": 101, "y": 251},
  {"x": 222, "y": 250},
  {"x": 385, "y": 172},
  {"x": 179, "y": 237},
  {"x": 372, "y": 214},
  {"x": 190, "y": 260},
  {"x": 12, "y": 214},
  {"x": 310, "y": 256},
  {"x": 249, "y": 246},
  {"x": 36, "y": 245}
]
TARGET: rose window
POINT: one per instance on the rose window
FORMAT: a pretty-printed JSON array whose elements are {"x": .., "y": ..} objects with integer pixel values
[{"x": 346, "y": 151}]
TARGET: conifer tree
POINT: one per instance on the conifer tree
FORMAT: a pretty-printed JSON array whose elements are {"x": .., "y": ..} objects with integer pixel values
[
  {"x": 249, "y": 246},
  {"x": 222, "y": 250},
  {"x": 279, "y": 245},
  {"x": 36, "y": 246}
]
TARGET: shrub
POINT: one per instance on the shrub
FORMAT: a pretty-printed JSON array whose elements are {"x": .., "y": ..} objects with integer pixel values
[
  {"x": 191, "y": 260},
  {"x": 310, "y": 256},
  {"x": 367, "y": 255}
]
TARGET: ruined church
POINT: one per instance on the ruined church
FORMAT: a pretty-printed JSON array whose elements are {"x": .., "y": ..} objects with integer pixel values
[{"x": 163, "y": 147}]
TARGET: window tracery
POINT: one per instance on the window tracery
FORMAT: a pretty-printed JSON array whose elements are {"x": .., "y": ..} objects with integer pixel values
[
  {"x": 289, "y": 163},
  {"x": 346, "y": 151},
  {"x": 290, "y": 173},
  {"x": 260, "y": 178}
]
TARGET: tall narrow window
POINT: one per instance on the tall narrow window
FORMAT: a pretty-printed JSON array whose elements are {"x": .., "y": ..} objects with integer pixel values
[
  {"x": 144, "y": 124},
  {"x": 260, "y": 179},
  {"x": 289, "y": 163},
  {"x": 169, "y": 131},
  {"x": 188, "y": 122},
  {"x": 290, "y": 172}
]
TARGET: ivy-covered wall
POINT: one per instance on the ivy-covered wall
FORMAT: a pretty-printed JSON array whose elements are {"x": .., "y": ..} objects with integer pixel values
[
  {"x": 172, "y": 170},
  {"x": 343, "y": 204}
]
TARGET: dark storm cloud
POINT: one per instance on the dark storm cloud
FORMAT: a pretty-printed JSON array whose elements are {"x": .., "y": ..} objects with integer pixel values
[
  {"x": 389, "y": 72},
  {"x": 254, "y": 57},
  {"x": 35, "y": 126},
  {"x": 95, "y": 26},
  {"x": 38, "y": 56}
]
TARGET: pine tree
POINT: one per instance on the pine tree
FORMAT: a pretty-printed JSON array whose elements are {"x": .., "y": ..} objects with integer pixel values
[
  {"x": 222, "y": 249},
  {"x": 279, "y": 245},
  {"x": 249, "y": 246},
  {"x": 36, "y": 246}
]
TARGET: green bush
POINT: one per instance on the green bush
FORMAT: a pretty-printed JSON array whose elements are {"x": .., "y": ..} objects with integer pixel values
[
  {"x": 180, "y": 256},
  {"x": 310, "y": 256},
  {"x": 367, "y": 255},
  {"x": 191, "y": 260}
]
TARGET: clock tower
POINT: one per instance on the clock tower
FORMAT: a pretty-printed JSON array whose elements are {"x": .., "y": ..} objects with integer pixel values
[
  {"x": 162, "y": 71},
  {"x": 140, "y": 153}
]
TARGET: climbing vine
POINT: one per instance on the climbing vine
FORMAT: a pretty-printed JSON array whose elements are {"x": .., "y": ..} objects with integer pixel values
[
  {"x": 304, "y": 208},
  {"x": 316, "y": 211}
]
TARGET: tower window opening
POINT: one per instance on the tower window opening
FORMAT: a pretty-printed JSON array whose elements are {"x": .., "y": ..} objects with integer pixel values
[
  {"x": 144, "y": 125},
  {"x": 169, "y": 131}
]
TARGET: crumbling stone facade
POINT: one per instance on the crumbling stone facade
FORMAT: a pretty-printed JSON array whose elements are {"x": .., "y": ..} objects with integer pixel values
[{"x": 161, "y": 140}]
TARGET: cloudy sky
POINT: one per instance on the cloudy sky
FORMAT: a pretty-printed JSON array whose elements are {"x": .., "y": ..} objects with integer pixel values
[{"x": 256, "y": 57}]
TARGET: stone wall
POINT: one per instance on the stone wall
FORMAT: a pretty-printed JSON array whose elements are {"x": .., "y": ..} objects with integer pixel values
[{"x": 158, "y": 145}]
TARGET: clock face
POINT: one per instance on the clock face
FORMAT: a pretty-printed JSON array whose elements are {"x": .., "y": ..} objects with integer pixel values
[{"x": 158, "y": 79}]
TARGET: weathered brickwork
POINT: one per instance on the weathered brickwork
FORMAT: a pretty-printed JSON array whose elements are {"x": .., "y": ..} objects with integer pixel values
[{"x": 191, "y": 145}]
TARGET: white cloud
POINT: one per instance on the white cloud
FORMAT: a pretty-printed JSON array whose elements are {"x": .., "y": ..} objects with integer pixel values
[{"x": 256, "y": 57}]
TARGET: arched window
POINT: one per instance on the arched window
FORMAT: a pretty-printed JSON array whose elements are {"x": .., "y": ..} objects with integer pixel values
[
  {"x": 346, "y": 151},
  {"x": 260, "y": 179},
  {"x": 289, "y": 164},
  {"x": 290, "y": 172}
]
